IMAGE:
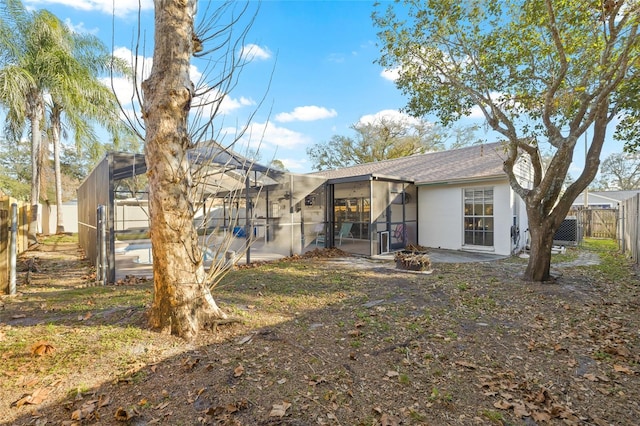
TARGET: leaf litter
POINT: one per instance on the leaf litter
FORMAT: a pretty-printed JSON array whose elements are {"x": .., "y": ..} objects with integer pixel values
[{"x": 468, "y": 344}]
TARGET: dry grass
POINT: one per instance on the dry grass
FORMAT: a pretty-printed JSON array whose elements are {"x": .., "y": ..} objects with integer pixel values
[{"x": 324, "y": 341}]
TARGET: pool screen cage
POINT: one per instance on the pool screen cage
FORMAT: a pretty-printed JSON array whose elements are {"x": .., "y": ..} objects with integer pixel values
[{"x": 261, "y": 206}]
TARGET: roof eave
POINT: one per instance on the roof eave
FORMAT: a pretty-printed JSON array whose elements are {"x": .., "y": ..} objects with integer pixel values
[{"x": 458, "y": 181}]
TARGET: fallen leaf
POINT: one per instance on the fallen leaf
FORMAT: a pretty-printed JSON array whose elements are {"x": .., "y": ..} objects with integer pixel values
[
  {"x": 35, "y": 398},
  {"x": 387, "y": 420},
  {"x": 503, "y": 405},
  {"x": 279, "y": 410},
  {"x": 244, "y": 340},
  {"x": 42, "y": 348},
  {"x": 123, "y": 415},
  {"x": 18, "y": 316},
  {"x": 392, "y": 373},
  {"x": 85, "y": 316},
  {"x": 466, "y": 364},
  {"x": 237, "y": 372},
  {"x": 84, "y": 412},
  {"x": 540, "y": 416},
  {"x": 520, "y": 410},
  {"x": 622, "y": 369},
  {"x": 162, "y": 406},
  {"x": 104, "y": 401}
]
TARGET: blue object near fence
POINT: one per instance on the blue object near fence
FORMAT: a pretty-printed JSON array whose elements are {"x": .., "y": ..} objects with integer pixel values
[{"x": 238, "y": 231}]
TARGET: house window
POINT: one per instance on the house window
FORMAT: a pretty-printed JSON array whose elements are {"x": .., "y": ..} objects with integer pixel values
[{"x": 478, "y": 216}]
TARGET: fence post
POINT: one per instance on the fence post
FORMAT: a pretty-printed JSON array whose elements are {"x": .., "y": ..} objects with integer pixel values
[
  {"x": 13, "y": 249},
  {"x": 101, "y": 261}
]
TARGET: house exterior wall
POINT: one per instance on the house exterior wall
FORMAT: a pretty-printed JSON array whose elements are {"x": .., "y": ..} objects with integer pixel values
[{"x": 441, "y": 216}]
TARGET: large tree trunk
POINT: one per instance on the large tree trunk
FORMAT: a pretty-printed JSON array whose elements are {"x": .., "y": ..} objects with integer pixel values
[
  {"x": 182, "y": 302},
  {"x": 539, "y": 266},
  {"x": 55, "y": 137},
  {"x": 36, "y": 111}
]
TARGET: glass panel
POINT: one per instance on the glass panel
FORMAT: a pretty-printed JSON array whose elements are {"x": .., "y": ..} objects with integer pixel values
[
  {"x": 488, "y": 209},
  {"x": 468, "y": 237},
  {"x": 488, "y": 222},
  {"x": 478, "y": 217},
  {"x": 488, "y": 239}
]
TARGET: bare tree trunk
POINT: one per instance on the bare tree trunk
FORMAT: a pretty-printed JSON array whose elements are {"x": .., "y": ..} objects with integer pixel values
[
  {"x": 539, "y": 266},
  {"x": 36, "y": 109},
  {"x": 182, "y": 302},
  {"x": 55, "y": 136}
]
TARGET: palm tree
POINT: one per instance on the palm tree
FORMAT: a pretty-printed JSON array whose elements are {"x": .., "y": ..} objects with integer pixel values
[
  {"x": 80, "y": 100},
  {"x": 42, "y": 59},
  {"x": 26, "y": 41}
]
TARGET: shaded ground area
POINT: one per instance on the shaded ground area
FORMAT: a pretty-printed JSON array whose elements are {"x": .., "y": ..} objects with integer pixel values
[{"x": 335, "y": 341}]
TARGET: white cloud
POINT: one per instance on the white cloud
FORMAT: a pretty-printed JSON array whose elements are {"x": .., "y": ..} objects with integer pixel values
[
  {"x": 391, "y": 75},
  {"x": 391, "y": 115},
  {"x": 251, "y": 52},
  {"x": 295, "y": 164},
  {"x": 121, "y": 8},
  {"x": 80, "y": 28},
  {"x": 202, "y": 107},
  {"x": 267, "y": 135},
  {"x": 306, "y": 113}
]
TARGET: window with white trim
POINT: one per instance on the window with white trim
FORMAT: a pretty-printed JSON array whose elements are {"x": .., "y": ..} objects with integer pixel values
[{"x": 478, "y": 217}]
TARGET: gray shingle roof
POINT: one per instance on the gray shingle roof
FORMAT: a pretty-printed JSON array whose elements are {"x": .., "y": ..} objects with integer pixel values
[{"x": 469, "y": 163}]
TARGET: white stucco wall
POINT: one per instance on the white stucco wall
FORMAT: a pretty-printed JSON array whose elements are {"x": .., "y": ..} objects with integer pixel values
[
  {"x": 441, "y": 216},
  {"x": 49, "y": 217}
]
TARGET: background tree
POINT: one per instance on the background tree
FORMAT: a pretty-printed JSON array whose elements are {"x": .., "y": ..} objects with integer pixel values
[
  {"x": 383, "y": 139},
  {"x": 80, "y": 100},
  {"x": 25, "y": 43},
  {"x": 620, "y": 171},
  {"x": 276, "y": 164},
  {"x": 541, "y": 71}
]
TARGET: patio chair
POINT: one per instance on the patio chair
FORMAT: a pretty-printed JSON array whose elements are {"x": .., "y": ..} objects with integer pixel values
[
  {"x": 320, "y": 235},
  {"x": 400, "y": 233},
  {"x": 345, "y": 232}
]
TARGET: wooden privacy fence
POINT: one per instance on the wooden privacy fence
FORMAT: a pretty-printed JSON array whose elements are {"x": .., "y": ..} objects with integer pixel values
[
  {"x": 597, "y": 222},
  {"x": 629, "y": 227},
  {"x": 23, "y": 210}
]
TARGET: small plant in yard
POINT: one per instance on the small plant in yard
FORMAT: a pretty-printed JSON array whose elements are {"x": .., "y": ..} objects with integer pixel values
[
  {"x": 493, "y": 416},
  {"x": 404, "y": 379}
]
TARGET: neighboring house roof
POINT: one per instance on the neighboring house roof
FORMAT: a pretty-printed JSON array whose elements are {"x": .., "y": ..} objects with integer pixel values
[
  {"x": 476, "y": 162},
  {"x": 614, "y": 196},
  {"x": 617, "y": 195}
]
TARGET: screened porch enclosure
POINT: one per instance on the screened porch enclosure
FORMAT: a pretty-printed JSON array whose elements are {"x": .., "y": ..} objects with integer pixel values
[
  {"x": 268, "y": 213},
  {"x": 372, "y": 215}
]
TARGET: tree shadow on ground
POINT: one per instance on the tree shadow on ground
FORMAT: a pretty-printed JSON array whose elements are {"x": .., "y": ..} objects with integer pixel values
[{"x": 468, "y": 344}]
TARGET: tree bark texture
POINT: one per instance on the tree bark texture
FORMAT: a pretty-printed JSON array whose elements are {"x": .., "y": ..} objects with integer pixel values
[
  {"x": 35, "y": 107},
  {"x": 182, "y": 302},
  {"x": 55, "y": 137}
]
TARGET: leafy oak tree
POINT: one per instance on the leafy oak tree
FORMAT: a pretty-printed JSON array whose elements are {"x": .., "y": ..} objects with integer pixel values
[
  {"x": 540, "y": 71},
  {"x": 384, "y": 139}
]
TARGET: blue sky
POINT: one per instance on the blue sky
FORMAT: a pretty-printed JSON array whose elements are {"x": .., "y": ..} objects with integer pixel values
[{"x": 312, "y": 62}]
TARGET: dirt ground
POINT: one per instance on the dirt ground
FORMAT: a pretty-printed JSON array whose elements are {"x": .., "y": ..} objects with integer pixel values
[{"x": 329, "y": 341}]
